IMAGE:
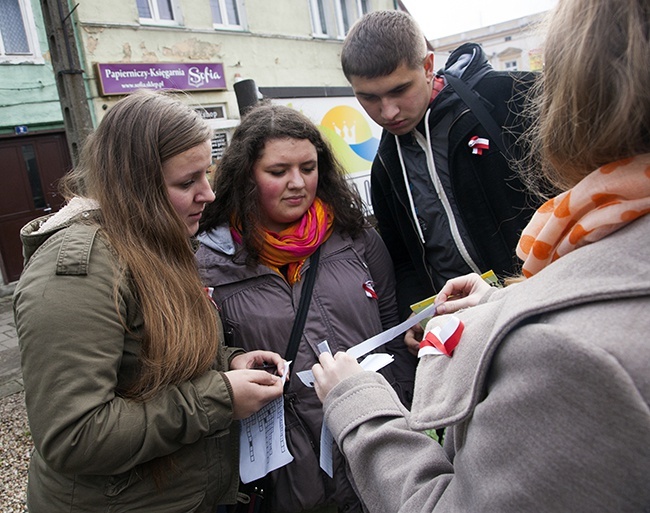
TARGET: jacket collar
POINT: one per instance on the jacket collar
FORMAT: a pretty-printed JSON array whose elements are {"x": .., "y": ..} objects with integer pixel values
[
  {"x": 37, "y": 231},
  {"x": 219, "y": 252},
  {"x": 448, "y": 389}
]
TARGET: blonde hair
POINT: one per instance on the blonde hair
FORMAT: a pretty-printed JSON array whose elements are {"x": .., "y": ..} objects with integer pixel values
[
  {"x": 121, "y": 167},
  {"x": 592, "y": 104}
]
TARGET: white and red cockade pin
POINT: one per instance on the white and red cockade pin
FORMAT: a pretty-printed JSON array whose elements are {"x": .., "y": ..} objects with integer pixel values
[
  {"x": 369, "y": 289},
  {"x": 209, "y": 291},
  {"x": 442, "y": 339},
  {"x": 478, "y": 144}
]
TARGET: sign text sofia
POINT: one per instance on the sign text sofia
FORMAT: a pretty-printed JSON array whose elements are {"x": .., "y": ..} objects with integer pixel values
[{"x": 124, "y": 78}]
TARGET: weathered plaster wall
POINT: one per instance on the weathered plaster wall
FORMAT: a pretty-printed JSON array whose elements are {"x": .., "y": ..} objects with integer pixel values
[{"x": 276, "y": 50}]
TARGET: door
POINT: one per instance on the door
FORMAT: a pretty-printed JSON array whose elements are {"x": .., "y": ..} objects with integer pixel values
[{"x": 30, "y": 168}]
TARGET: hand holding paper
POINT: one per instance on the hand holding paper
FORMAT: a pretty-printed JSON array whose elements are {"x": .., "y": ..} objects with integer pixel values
[
  {"x": 262, "y": 442},
  {"x": 461, "y": 292},
  {"x": 332, "y": 370},
  {"x": 252, "y": 390},
  {"x": 259, "y": 359}
]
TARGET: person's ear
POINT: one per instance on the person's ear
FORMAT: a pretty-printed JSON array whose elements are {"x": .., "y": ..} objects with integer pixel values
[{"x": 428, "y": 66}]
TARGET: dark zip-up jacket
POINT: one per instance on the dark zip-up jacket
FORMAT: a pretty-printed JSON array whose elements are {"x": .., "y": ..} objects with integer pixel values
[{"x": 491, "y": 203}]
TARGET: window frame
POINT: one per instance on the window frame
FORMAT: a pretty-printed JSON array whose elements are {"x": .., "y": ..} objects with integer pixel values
[
  {"x": 223, "y": 8},
  {"x": 334, "y": 19},
  {"x": 317, "y": 20},
  {"x": 34, "y": 55},
  {"x": 155, "y": 19}
]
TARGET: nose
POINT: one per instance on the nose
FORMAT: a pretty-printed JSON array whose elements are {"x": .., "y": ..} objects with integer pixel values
[
  {"x": 205, "y": 194},
  {"x": 296, "y": 180},
  {"x": 389, "y": 109}
]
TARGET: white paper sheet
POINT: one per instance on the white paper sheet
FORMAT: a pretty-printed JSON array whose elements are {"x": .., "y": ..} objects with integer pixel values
[
  {"x": 262, "y": 441},
  {"x": 373, "y": 343},
  {"x": 372, "y": 362}
]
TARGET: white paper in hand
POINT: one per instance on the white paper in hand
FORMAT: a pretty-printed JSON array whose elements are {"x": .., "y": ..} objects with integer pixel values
[{"x": 262, "y": 441}]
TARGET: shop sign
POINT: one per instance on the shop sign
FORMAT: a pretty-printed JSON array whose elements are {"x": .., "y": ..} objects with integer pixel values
[
  {"x": 219, "y": 144},
  {"x": 124, "y": 78}
]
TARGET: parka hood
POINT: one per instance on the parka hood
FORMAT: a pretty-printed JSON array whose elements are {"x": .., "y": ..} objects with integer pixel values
[
  {"x": 218, "y": 239},
  {"x": 36, "y": 232}
]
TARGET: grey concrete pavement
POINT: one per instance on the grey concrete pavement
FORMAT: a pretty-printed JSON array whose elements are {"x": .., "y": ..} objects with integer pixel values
[{"x": 10, "y": 375}]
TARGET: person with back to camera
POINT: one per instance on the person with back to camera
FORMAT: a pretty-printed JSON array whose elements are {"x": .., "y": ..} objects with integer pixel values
[
  {"x": 444, "y": 207},
  {"x": 546, "y": 397},
  {"x": 282, "y": 199},
  {"x": 128, "y": 390}
]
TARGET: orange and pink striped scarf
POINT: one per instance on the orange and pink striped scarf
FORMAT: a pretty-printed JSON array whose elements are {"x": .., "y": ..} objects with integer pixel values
[
  {"x": 292, "y": 246},
  {"x": 601, "y": 203}
]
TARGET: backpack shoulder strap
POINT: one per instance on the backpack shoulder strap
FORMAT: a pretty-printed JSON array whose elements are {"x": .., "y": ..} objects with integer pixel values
[{"x": 472, "y": 100}]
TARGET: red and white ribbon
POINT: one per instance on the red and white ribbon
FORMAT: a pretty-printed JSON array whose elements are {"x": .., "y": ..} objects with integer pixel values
[
  {"x": 369, "y": 289},
  {"x": 478, "y": 144},
  {"x": 442, "y": 339},
  {"x": 209, "y": 291}
]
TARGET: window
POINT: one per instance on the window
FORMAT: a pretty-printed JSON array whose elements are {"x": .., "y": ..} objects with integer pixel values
[
  {"x": 508, "y": 38},
  {"x": 226, "y": 14},
  {"x": 18, "y": 39},
  {"x": 318, "y": 18},
  {"x": 511, "y": 65},
  {"x": 333, "y": 18},
  {"x": 157, "y": 11}
]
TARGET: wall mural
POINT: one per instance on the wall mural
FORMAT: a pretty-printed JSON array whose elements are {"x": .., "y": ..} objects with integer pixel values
[{"x": 354, "y": 137}]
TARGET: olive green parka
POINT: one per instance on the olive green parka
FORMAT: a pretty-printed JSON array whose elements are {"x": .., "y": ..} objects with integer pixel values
[{"x": 94, "y": 448}]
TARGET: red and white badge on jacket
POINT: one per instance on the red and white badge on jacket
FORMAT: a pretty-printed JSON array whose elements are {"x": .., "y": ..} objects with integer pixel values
[
  {"x": 478, "y": 144},
  {"x": 369, "y": 289},
  {"x": 442, "y": 339}
]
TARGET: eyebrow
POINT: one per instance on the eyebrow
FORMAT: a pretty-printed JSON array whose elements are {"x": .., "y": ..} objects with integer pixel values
[
  {"x": 390, "y": 91},
  {"x": 285, "y": 164}
]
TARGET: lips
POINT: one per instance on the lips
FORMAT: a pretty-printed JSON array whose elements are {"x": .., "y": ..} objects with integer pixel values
[
  {"x": 294, "y": 200},
  {"x": 393, "y": 126}
]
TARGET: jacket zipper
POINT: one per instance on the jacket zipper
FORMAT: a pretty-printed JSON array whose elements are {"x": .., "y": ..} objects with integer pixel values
[
  {"x": 290, "y": 398},
  {"x": 425, "y": 144},
  {"x": 425, "y": 266}
]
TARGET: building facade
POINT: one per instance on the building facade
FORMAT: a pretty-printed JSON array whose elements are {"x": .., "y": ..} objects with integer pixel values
[
  {"x": 33, "y": 147},
  {"x": 202, "y": 47},
  {"x": 511, "y": 45}
]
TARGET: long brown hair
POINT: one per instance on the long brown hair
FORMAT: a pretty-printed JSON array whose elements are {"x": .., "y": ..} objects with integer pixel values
[
  {"x": 236, "y": 190},
  {"x": 121, "y": 168},
  {"x": 592, "y": 104}
]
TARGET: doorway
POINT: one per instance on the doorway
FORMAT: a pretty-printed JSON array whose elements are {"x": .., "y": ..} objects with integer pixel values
[{"x": 30, "y": 168}]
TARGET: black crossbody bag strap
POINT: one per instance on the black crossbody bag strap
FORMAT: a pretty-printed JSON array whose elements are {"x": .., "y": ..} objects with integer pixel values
[
  {"x": 484, "y": 118},
  {"x": 303, "y": 307}
]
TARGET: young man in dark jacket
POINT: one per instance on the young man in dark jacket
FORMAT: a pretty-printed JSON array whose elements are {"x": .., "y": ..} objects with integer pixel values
[{"x": 445, "y": 197}]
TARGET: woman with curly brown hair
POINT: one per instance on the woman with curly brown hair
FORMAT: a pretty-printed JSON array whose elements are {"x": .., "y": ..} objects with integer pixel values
[{"x": 281, "y": 196}]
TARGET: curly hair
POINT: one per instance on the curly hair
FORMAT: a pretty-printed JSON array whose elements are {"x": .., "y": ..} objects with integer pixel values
[{"x": 237, "y": 194}]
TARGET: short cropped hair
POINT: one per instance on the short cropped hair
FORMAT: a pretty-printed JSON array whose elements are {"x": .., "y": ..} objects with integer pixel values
[{"x": 380, "y": 42}]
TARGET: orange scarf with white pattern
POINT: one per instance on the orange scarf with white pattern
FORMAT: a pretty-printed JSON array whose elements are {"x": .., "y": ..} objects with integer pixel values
[{"x": 601, "y": 203}]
